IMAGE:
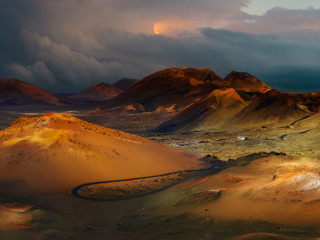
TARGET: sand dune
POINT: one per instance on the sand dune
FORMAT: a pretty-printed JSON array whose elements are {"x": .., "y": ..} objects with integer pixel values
[{"x": 56, "y": 152}]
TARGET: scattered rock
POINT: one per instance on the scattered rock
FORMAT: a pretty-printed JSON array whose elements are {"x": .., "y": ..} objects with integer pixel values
[{"x": 90, "y": 228}]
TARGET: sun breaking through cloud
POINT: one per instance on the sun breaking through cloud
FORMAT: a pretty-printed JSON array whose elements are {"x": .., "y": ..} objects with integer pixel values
[
  {"x": 154, "y": 35},
  {"x": 156, "y": 29}
]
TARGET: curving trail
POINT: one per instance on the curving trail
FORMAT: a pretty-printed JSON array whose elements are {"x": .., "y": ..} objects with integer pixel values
[{"x": 216, "y": 167}]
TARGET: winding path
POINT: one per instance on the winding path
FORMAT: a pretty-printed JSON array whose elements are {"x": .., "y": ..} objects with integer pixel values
[{"x": 214, "y": 167}]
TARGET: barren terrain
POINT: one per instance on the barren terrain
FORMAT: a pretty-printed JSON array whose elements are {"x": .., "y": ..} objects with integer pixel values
[
  {"x": 198, "y": 157},
  {"x": 230, "y": 204}
]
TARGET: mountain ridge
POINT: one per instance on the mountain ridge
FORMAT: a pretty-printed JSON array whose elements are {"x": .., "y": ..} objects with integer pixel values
[
  {"x": 18, "y": 92},
  {"x": 98, "y": 92}
]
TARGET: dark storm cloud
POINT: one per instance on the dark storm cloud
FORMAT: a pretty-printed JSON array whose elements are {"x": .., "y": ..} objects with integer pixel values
[
  {"x": 279, "y": 20},
  {"x": 292, "y": 25},
  {"x": 265, "y": 56},
  {"x": 71, "y": 44},
  {"x": 68, "y": 45}
]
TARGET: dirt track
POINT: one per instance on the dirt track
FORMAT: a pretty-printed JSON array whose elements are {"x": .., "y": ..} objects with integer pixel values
[{"x": 183, "y": 177}]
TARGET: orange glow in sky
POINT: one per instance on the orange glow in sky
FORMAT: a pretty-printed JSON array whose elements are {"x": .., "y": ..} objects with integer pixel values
[
  {"x": 156, "y": 29},
  {"x": 171, "y": 27}
]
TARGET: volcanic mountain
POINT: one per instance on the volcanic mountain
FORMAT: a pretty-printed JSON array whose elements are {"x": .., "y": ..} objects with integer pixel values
[
  {"x": 98, "y": 92},
  {"x": 244, "y": 81},
  {"x": 17, "y": 92},
  {"x": 167, "y": 90},
  {"x": 56, "y": 152},
  {"x": 272, "y": 107},
  {"x": 219, "y": 106},
  {"x": 125, "y": 83},
  {"x": 239, "y": 109}
]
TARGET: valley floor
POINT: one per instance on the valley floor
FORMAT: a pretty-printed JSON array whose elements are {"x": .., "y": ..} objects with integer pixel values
[{"x": 256, "y": 187}]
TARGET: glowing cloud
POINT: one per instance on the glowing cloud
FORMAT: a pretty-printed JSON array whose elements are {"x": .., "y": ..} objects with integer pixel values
[
  {"x": 171, "y": 27},
  {"x": 156, "y": 29}
]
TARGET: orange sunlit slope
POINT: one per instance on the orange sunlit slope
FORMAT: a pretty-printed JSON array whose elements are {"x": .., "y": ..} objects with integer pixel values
[{"x": 57, "y": 151}]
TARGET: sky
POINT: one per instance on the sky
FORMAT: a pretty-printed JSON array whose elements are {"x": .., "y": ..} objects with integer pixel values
[
  {"x": 68, "y": 45},
  {"x": 260, "y": 7}
]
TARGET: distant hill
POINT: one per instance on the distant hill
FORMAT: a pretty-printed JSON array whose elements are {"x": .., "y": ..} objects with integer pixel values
[
  {"x": 214, "y": 110},
  {"x": 242, "y": 101},
  {"x": 125, "y": 83},
  {"x": 167, "y": 90},
  {"x": 238, "y": 109},
  {"x": 17, "y": 92},
  {"x": 244, "y": 81},
  {"x": 98, "y": 92},
  {"x": 272, "y": 107}
]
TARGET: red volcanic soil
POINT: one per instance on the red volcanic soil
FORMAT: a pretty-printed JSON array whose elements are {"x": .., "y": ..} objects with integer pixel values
[
  {"x": 98, "y": 92},
  {"x": 16, "y": 92},
  {"x": 169, "y": 89},
  {"x": 125, "y": 83},
  {"x": 56, "y": 152}
]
